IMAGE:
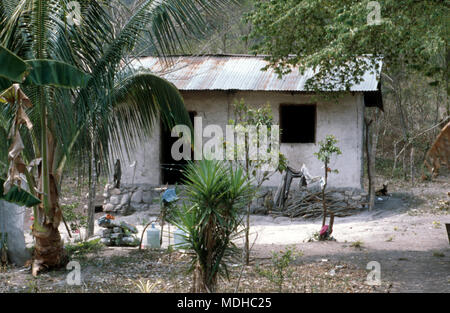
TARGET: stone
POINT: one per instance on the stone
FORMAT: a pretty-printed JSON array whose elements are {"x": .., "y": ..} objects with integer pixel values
[
  {"x": 138, "y": 206},
  {"x": 106, "y": 233},
  {"x": 108, "y": 207},
  {"x": 117, "y": 229},
  {"x": 116, "y": 235},
  {"x": 357, "y": 198},
  {"x": 154, "y": 209},
  {"x": 125, "y": 199},
  {"x": 127, "y": 210},
  {"x": 115, "y": 192},
  {"x": 130, "y": 241},
  {"x": 129, "y": 227},
  {"x": 137, "y": 196},
  {"x": 114, "y": 200},
  {"x": 106, "y": 241},
  {"x": 338, "y": 196},
  {"x": 147, "y": 197}
]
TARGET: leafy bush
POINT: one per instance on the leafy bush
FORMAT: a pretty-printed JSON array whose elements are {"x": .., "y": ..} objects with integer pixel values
[
  {"x": 85, "y": 247},
  {"x": 279, "y": 270}
]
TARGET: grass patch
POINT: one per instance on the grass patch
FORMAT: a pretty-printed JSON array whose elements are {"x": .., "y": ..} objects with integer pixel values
[
  {"x": 81, "y": 249},
  {"x": 357, "y": 244}
]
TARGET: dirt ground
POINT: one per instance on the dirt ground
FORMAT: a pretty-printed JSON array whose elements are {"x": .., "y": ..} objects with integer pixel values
[{"x": 405, "y": 234}]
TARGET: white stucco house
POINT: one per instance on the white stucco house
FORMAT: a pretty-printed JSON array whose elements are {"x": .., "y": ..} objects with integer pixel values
[{"x": 210, "y": 84}]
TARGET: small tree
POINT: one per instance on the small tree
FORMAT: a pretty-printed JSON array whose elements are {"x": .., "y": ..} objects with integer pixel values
[
  {"x": 246, "y": 117},
  {"x": 327, "y": 149},
  {"x": 280, "y": 270}
]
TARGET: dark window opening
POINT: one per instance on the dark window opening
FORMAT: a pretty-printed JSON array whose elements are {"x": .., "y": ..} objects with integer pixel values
[
  {"x": 172, "y": 170},
  {"x": 298, "y": 123}
]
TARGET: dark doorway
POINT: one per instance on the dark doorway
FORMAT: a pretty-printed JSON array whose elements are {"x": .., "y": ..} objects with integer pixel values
[{"x": 171, "y": 170}]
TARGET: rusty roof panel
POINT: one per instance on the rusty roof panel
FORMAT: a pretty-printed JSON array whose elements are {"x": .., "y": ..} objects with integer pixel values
[{"x": 234, "y": 72}]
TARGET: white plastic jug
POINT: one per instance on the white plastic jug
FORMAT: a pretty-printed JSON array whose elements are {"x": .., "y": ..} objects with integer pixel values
[
  {"x": 153, "y": 237},
  {"x": 179, "y": 237}
]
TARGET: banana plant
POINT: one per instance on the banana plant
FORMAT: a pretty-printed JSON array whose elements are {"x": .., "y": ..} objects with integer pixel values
[{"x": 114, "y": 104}]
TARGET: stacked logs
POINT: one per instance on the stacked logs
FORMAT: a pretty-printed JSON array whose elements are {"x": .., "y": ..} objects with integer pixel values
[{"x": 308, "y": 204}]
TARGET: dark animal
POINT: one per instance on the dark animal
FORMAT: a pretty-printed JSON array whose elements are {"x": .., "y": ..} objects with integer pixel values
[{"x": 383, "y": 191}]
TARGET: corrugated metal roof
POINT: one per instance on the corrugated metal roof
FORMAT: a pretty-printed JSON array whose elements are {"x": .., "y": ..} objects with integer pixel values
[{"x": 234, "y": 72}]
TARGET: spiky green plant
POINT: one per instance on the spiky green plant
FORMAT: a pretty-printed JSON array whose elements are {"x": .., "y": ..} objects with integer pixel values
[{"x": 216, "y": 194}]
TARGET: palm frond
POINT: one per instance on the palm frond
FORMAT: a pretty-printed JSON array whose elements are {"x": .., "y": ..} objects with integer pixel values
[
  {"x": 18, "y": 196},
  {"x": 138, "y": 99}
]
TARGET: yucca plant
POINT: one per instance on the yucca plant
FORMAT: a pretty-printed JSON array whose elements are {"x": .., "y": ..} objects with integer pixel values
[{"x": 211, "y": 218}]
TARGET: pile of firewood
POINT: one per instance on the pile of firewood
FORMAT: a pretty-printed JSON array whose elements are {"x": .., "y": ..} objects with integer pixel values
[{"x": 308, "y": 204}]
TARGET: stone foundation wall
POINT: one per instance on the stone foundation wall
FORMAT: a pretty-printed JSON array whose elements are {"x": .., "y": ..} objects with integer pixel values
[{"x": 131, "y": 198}]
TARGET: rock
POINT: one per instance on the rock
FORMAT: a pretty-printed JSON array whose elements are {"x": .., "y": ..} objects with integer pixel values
[
  {"x": 108, "y": 207},
  {"x": 154, "y": 209},
  {"x": 116, "y": 236},
  {"x": 338, "y": 196},
  {"x": 147, "y": 197},
  {"x": 125, "y": 199},
  {"x": 118, "y": 233},
  {"x": 106, "y": 233},
  {"x": 115, "y": 192},
  {"x": 138, "y": 206},
  {"x": 106, "y": 241},
  {"x": 129, "y": 227},
  {"x": 114, "y": 200},
  {"x": 130, "y": 241},
  {"x": 357, "y": 198},
  {"x": 137, "y": 196},
  {"x": 127, "y": 210}
]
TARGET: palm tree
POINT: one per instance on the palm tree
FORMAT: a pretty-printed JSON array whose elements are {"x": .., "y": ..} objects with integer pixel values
[{"x": 112, "y": 100}]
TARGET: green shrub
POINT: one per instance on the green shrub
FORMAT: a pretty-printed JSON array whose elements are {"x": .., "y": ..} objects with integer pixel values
[{"x": 280, "y": 269}]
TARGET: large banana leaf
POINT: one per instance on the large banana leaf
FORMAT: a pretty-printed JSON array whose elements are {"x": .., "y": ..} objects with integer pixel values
[
  {"x": 18, "y": 196},
  {"x": 55, "y": 73},
  {"x": 12, "y": 67}
]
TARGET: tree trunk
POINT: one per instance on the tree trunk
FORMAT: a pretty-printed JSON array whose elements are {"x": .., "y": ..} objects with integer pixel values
[
  {"x": 411, "y": 161},
  {"x": 395, "y": 161},
  {"x": 92, "y": 191},
  {"x": 247, "y": 228},
  {"x": 370, "y": 167},
  {"x": 324, "y": 205},
  {"x": 405, "y": 171},
  {"x": 201, "y": 283},
  {"x": 49, "y": 248}
]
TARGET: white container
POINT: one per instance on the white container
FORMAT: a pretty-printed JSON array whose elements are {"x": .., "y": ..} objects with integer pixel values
[
  {"x": 153, "y": 237},
  {"x": 179, "y": 238}
]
